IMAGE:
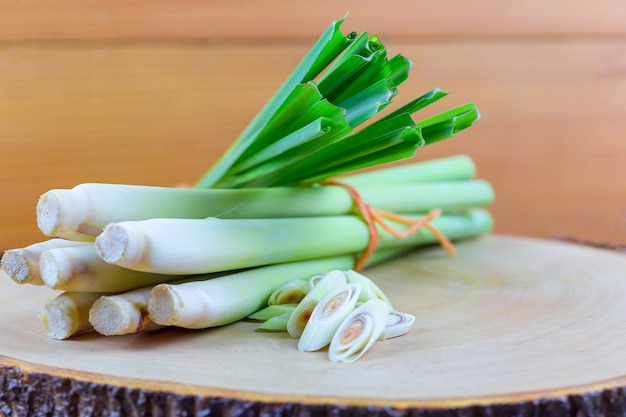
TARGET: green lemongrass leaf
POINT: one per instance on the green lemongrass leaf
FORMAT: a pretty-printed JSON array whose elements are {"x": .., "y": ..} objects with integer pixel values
[
  {"x": 294, "y": 142},
  {"x": 349, "y": 156},
  {"x": 386, "y": 148},
  {"x": 445, "y": 125},
  {"x": 305, "y": 105},
  {"x": 272, "y": 310},
  {"x": 287, "y": 153},
  {"x": 365, "y": 93},
  {"x": 362, "y": 46},
  {"x": 326, "y": 49},
  {"x": 290, "y": 292},
  {"x": 378, "y": 70},
  {"x": 390, "y": 139},
  {"x": 357, "y": 73},
  {"x": 352, "y": 153},
  {"x": 408, "y": 109},
  {"x": 334, "y": 159},
  {"x": 393, "y": 152},
  {"x": 327, "y": 316},
  {"x": 276, "y": 324},
  {"x": 400, "y": 67},
  {"x": 342, "y": 75},
  {"x": 369, "y": 101}
]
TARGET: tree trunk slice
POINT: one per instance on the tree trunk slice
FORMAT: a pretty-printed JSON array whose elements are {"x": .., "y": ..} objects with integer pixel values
[{"x": 508, "y": 326}]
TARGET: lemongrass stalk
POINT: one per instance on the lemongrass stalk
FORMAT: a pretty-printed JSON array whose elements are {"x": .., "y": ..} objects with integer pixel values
[
  {"x": 359, "y": 331},
  {"x": 22, "y": 264},
  {"x": 67, "y": 314},
  {"x": 223, "y": 300},
  {"x": 189, "y": 246},
  {"x": 452, "y": 168},
  {"x": 123, "y": 313},
  {"x": 79, "y": 268},
  {"x": 329, "y": 282},
  {"x": 291, "y": 292},
  {"x": 82, "y": 212},
  {"x": 398, "y": 324},
  {"x": 272, "y": 310},
  {"x": 327, "y": 316},
  {"x": 369, "y": 289},
  {"x": 276, "y": 323}
]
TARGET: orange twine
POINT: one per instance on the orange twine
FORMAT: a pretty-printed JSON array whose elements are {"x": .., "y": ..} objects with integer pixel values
[{"x": 373, "y": 217}]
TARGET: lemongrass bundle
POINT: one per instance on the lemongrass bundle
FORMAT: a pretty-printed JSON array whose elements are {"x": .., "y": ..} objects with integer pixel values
[{"x": 265, "y": 214}]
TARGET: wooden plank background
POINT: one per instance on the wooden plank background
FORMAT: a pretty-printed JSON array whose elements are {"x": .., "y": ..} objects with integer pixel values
[{"x": 151, "y": 92}]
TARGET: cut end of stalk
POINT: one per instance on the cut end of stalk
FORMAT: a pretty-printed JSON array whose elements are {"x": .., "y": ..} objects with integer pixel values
[
  {"x": 60, "y": 213},
  {"x": 49, "y": 213},
  {"x": 163, "y": 305},
  {"x": 17, "y": 267},
  {"x": 60, "y": 320},
  {"x": 109, "y": 317},
  {"x": 113, "y": 243},
  {"x": 53, "y": 269}
]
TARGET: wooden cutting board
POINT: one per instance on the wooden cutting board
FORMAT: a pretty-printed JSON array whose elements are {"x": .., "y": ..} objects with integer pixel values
[{"x": 508, "y": 325}]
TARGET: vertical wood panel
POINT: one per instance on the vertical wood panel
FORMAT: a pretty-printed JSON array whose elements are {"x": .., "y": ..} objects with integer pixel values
[
  {"x": 286, "y": 19},
  {"x": 160, "y": 113}
]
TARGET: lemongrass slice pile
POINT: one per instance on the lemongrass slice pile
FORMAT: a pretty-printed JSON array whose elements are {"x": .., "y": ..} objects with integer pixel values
[{"x": 344, "y": 310}]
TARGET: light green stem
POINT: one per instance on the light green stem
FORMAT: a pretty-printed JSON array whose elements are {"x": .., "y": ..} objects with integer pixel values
[
  {"x": 184, "y": 246},
  {"x": 223, "y": 300}
]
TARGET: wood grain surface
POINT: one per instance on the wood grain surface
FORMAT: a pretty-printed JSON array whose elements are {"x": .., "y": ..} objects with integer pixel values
[
  {"x": 508, "y": 321},
  {"x": 152, "y": 93},
  {"x": 285, "y": 19}
]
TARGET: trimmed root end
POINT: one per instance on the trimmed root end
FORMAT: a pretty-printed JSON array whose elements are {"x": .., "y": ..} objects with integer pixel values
[
  {"x": 163, "y": 305},
  {"x": 49, "y": 209},
  {"x": 112, "y": 243},
  {"x": 59, "y": 320},
  {"x": 50, "y": 270},
  {"x": 16, "y": 267},
  {"x": 109, "y": 318}
]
